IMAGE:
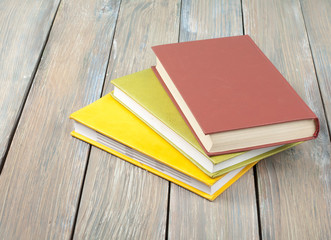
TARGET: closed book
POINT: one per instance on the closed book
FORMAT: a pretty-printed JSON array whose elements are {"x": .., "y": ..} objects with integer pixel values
[
  {"x": 110, "y": 126},
  {"x": 232, "y": 96},
  {"x": 144, "y": 96}
]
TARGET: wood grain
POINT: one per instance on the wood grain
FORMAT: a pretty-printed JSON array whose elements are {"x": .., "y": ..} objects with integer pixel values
[
  {"x": 42, "y": 178},
  {"x": 24, "y": 28},
  {"x": 294, "y": 186},
  {"x": 318, "y": 24},
  {"x": 120, "y": 200},
  {"x": 233, "y": 215}
]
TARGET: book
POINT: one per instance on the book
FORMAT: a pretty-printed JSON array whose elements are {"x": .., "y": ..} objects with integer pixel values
[
  {"x": 144, "y": 96},
  {"x": 232, "y": 96},
  {"x": 108, "y": 125}
]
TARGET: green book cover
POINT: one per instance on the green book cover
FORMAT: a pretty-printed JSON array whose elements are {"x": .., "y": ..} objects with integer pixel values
[{"x": 145, "y": 89}]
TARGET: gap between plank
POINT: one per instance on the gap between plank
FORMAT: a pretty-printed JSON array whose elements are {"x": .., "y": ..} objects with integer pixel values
[
  {"x": 80, "y": 192},
  {"x": 111, "y": 48},
  {"x": 257, "y": 200},
  {"x": 26, "y": 94},
  {"x": 242, "y": 16},
  {"x": 168, "y": 213},
  {"x": 180, "y": 19},
  {"x": 90, "y": 146}
]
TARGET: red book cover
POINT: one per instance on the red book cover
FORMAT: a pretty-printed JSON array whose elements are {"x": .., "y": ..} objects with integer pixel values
[{"x": 229, "y": 84}]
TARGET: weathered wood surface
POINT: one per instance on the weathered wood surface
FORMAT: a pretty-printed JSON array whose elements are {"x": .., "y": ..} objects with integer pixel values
[
  {"x": 42, "y": 178},
  {"x": 294, "y": 186},
  {"x": 24, "y": 28},
  {"x": 317, "y": 16},
  {"x": 120, "y": 200},
  {"x": 41, "y": 182},
  {"x": 233, "y": 215}
]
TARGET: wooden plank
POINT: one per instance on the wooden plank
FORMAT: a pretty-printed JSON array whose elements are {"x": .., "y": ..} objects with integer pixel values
[
  {"x": 41, "y": 181},
  {"x": 318, "y": 23},
  {"x": 122, "y": 201},
  {"x": 233, "y": 215},
  {"x": 294, "y": 186},
  {"x": 24, "y": 28}
]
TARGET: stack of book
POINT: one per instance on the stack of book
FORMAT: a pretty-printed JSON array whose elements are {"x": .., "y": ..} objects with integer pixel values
[{"x": 202, "y": 117}]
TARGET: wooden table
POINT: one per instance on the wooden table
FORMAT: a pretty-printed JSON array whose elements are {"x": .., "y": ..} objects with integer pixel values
[{"x": 58, "y": 56}]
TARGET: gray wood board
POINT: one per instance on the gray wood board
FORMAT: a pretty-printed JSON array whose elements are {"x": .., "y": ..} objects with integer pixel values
[
  {"x": 42, "y": 178},
  {"x": 24, "y": 29}
]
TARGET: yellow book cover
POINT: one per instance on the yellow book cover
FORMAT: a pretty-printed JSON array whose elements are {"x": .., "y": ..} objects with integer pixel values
[
  {"x": 110, "y": 126},
  {"x": 144, "y": 96}
]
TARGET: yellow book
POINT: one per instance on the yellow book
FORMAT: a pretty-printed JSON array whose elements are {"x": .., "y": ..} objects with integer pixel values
[{"x": 110, "y": 126}]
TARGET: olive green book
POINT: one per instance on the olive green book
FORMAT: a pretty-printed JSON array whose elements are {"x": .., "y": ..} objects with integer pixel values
[{"x": 143, "y": 95}]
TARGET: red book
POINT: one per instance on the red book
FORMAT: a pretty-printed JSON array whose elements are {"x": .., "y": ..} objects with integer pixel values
[{"x": 232, "y": 96}]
